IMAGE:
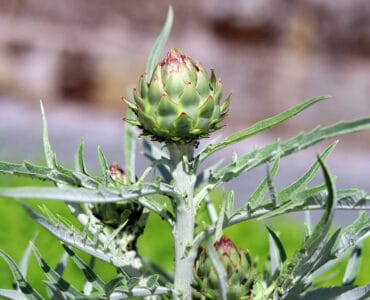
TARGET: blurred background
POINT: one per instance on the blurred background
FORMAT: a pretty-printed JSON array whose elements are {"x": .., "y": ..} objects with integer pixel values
[{"x": 82, "y": 56}]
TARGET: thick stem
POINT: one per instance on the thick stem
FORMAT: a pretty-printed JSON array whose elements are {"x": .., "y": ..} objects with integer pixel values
[{"x": 181, "y": 156}]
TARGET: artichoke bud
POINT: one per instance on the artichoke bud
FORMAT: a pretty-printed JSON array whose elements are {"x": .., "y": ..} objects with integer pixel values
[
  {"x": 238, "y": 267},
  {"x": 118, "y": 174},
  {"x": 115, "y": 214},
  {"x": 181, "y": 103}
]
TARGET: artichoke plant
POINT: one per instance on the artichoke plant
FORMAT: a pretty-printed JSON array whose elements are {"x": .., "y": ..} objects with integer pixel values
[
  {"x": 238, "y": 267},
  {"x": 180, "y": 103}
]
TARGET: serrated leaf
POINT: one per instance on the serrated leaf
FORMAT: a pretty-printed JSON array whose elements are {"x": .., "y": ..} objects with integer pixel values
[
  {"x": 75, "y": 239},
  {"x": 159, "y": 44},
  {"x": 54, "y": 277},
  {"x": 22, "y": 284},
  {"x": 89, "y": 274},
  {"x": 270, "y": 152},
  {"x": 307, "y": 177},
  {"x": 303, "y": 262},
  {"x": 83, "y": 195},
  {"x": 259, "y": 127}
]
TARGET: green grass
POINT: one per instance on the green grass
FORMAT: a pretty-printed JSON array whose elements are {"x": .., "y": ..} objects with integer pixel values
[{"x": 17, "y": 229}]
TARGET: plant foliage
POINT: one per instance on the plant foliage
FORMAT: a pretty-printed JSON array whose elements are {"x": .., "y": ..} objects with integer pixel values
[{"x": 112, "y": 210}]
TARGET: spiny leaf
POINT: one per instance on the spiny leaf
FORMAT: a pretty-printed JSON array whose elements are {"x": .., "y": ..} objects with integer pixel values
[
  {"x": 303, "y": 262},
  {"x": 259, "y": 127},
  {"x": 54, "y": 277},
  {"x": 159, "y": 44},
  {"x": 75, "y": 239},
  {"x": 22, "y": 284},
  {"x": 89, "y": 274},
  {"x": 83, "y": 195},
  {"x": 274, "y": 150},
  {"x": 303, "y": 181}
]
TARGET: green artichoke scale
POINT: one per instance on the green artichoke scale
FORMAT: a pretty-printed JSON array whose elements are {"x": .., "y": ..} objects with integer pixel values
[{"x": 180, "y": 103}]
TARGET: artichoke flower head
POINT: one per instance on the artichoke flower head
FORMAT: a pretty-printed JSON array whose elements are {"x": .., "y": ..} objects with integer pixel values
[
  {"x": 181, "y": 103},
  {"x": 238, "y": 266}
]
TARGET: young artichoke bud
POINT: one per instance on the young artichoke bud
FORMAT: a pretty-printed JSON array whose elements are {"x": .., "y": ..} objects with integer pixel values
[
  {"x": 180, "y": 103},
  {"x": 238, "y": 267},
  {"x": 115, "y": 214}
]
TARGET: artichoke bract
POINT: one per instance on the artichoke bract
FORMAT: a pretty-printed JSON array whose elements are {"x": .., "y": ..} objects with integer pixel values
[
  {"x": 181, "y": 103},
  {"x": 238, "y": 267}
]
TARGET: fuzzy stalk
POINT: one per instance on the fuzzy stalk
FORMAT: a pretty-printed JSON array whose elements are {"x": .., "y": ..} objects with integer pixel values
[{"x": 181, "y": 156}]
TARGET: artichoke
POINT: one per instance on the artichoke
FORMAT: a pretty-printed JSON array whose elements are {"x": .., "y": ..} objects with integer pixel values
[
  {"x": 238, "y": 267},
  {"x": 180, "y": 103}
]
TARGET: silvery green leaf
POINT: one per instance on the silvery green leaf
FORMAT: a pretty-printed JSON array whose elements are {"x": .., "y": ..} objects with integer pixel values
[
  {"x": 203, "y": 176},
  {"x": 277, "y": 253},
  {"x": 353, "y": 233},
  {"x": 307, "y": 177},
  {"x": 326, "y": 293},
  {"x": 56, "y": 278},
  {"x": 13, "y": 294},
  {"x": 139, "y": 292},
  {"x": 129, "y": 147},
  {"x": 303, "y": 262},
  {"x": 157, "y": 156},
  {"x": 23, "y": 286},
  {"x": 83, "y": 195},
  {"x": 80, "y": 162},
  {"x": 272, "y": 151},
  {"x": 23, "y": 266},
  {"x": 218, "y": 267},
  {"x": 103, "y": 161},
  {"x": 259, "y": 127},
  {"x": 257, "y": 197},
  {"x": 89, "y": 274},
  {"x": 84, "y": 243},
  {"x": 159, "y": 44},
  {"x": 357, "y": 293},
  {"x": 353, "y": 266},
  {"x": 48, "y": 151}
]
